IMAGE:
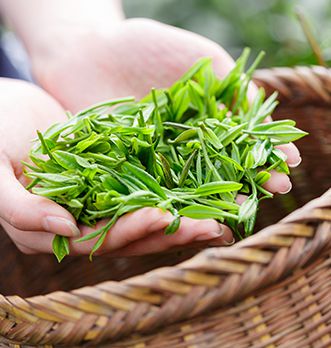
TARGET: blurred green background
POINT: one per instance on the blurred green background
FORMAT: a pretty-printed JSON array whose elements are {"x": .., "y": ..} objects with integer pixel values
[{"x": 269, "y": 25}]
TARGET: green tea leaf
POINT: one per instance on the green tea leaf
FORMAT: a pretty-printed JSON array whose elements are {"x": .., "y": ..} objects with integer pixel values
[
  {"x": 181, "y": 102},
  {"x": 199, "y": 65},
  {"x": 142, "y": 198},
  {"x": 55, "y": 178},
  {"x": 224, "y": 205},
  {"x": 217, "y": 187},
  {"x": 248, "y": 208},
  {"x": 249, "y": 161},
  {"x": 98, "y": 244},
  {"x": 232, "y": 134},
  {"x": 184, "y": 136},
  {"x": 270, "y": 125},
  {"x": 45, "y": 145},
  {"x": 284, "y": 134},
  {"x": 69, "y": 160},
  {"x": 105, "y": 104},
  {"x": 60, "y": 247},
  {"x": 146, "y": 178},
  {"x": 86, "y": 143},
  {"x": 169, "y": 182},
  {"x": 249, "y": 225},
  {"x": 173, "y": 226},
  {"x": 199, "y": 211},
  {"x": 262, "y": 177},
  {"x": 111, "y": 183},
  {"x": 261, "y": 151},
  {"x": 277, "y": 159},
  {"x": 186, "y": 169},
  {"x": 52, "y": 192},
  {"x": 231, "y": 161}
]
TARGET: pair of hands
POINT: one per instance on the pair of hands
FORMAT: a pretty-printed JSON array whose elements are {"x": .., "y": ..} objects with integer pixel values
[{"x": 81, "y": 69}]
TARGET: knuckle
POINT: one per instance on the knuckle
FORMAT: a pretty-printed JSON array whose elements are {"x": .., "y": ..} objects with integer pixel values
[
  {"x": 196, "y": 226},
  {"x": 15, "y": 219},
  {"x": 41, "y": 203}
]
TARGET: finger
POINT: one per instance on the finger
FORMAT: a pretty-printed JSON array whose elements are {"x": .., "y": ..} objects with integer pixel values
[
  {"x": 208, "y": 232},
  {"x": 292, "y": 153},
  {"x": 240, "y": 199},
  {"x": 29, "y": 212},
  {"x": 29, "y": 242},
  {"x": 279, "y": 182},
  {"x": 128, "y": 228}
]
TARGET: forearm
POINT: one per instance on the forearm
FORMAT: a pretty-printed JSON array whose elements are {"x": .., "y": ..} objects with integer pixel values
[{"x": 37, "y": 22}]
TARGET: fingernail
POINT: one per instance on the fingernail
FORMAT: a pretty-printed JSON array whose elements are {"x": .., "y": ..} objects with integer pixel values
[
  {"x": 287, "y": 191},
  {"x": 53, "y": 223},
  {"x": 222, "y": 242},
  {"x": 294, "y": 165},
  {"x": 230, "y": 243},
  {"x": 210, "y": 235}
]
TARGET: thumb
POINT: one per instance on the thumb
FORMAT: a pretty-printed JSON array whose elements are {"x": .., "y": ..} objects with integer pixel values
[{"x": 29, "y": 212}]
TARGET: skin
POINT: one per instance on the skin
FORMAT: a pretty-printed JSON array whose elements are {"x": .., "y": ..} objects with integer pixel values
[{"x": 95, "y": 62}]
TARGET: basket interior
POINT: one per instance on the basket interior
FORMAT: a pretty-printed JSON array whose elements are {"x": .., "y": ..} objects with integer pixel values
[{"x": 39, "y": 274}]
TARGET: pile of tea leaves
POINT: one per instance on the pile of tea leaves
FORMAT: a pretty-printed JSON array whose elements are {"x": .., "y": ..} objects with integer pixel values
[{"x": 189, "y": 149}]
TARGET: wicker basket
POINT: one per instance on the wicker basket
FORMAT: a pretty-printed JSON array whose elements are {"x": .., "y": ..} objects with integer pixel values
[{"x": 270, "y": 290}]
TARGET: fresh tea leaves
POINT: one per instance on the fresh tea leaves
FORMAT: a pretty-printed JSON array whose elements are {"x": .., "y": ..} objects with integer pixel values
[{"x": 190, "y": 149}]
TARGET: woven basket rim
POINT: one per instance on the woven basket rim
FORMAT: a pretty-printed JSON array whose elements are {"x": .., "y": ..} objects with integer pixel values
[{"x": 209, "y": 268}]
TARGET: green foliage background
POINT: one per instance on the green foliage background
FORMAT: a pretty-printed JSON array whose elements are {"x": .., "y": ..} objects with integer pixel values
[{"x": 269, "y": 25}]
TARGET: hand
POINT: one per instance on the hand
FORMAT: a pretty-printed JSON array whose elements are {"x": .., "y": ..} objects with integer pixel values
[
  {"x": 94, "y": 65},
  {"x": 27, "y": 218},
  {"x": 32, "y": 221}
]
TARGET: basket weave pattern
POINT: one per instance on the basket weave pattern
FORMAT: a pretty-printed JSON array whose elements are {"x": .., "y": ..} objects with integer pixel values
[{"x": 270, "y": 290}]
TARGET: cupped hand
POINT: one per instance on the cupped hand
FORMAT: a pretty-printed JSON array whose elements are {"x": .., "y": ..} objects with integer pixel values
[
  {"x": 25, "y": 108},
  {"x": 137, "y": 54}
]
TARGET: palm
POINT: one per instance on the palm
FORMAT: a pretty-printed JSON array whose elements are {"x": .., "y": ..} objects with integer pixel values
[{"x": 136, "y": 56}]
